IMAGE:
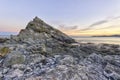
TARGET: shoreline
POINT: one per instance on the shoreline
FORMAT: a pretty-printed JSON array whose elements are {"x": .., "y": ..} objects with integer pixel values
[{"x": 40, "y": 52}]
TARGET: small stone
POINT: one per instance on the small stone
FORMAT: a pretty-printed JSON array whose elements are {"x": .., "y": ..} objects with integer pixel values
[{"x": 5, "y": 70}]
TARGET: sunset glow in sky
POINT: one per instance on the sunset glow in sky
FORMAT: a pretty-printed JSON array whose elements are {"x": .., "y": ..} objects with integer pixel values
[{"x": 74, "y": 17}]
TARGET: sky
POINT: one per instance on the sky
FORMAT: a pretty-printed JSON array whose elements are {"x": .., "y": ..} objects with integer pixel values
[{"x": 73, "y": 17}]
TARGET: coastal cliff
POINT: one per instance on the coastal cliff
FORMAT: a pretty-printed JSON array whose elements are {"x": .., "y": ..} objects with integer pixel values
[{"x": 41, "y": 52}]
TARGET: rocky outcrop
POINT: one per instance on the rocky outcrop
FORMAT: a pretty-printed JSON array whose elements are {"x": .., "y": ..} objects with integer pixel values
[
  {"x": 66, "y": 67},
  {"x": 43, "y": 38},
  {"x": 40, "y": 52},
  {"x": 38, "y": 29}
]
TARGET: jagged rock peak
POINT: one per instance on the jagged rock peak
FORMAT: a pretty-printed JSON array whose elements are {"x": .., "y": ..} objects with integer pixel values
[
  {"x": 38, "y": 29},
  {"x": 37, "y": 19},
  {"x": 38, "y": 25}
]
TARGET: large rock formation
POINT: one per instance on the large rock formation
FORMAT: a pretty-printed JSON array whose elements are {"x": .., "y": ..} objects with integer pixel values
[
  {"x": 38, "y": 29},
  {"x": 41, "y": 52},
  {"x": 44, "y": 39}
]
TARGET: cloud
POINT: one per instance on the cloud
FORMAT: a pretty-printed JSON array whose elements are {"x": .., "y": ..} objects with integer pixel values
[
  {"x": 97, "y": 25},
  {"x": 64, "y": 27},
  {"x": 94, "y": 24},
  {"x": 117, "y": 17},
  {"x": 108, "y": 27}
]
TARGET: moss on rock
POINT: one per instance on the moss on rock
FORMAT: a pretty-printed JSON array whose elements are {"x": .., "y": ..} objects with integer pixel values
[{"x": 4, "y": 51}]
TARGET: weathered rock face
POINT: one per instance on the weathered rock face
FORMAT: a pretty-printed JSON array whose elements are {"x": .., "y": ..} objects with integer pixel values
[
  {"x": 41, "y": 52},
  {"x": 38, "y": 29},
  {"x": 14, "y": 58},
  {"x": 66, "y": 67},
  {"x": 43, "y": 39}
]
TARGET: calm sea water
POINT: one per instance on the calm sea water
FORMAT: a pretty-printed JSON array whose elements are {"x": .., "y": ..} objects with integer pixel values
[
  {"x": 4, "y": 36},
  {"x": 108, "y": 40}
]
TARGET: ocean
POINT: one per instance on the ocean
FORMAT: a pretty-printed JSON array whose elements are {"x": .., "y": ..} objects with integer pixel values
[
  {"x": 4, "y": 36},
  {"x": 97, "y": 40}
]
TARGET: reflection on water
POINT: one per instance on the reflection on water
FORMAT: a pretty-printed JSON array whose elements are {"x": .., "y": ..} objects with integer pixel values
[{"x": 109, "y": 40}]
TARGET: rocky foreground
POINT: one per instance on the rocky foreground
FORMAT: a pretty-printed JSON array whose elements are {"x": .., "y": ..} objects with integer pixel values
[{"x": 41, "y": 52}]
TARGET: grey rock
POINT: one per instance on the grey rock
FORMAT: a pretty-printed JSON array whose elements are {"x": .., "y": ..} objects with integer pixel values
[
  {"x": 19, "y": 66},
  {"x": 15, "y": 73},
  {"x": 34, "y": 58},
  {"x": 112, "y": 72},
  {"x": 38, "y": 29},
  {"x": 113, "y": 59},
  {"x": 1, "y": 75},
  {"x": 41, "y": 52},
  {"x": 67, "y": 60},
  {"x": 3, "y": 40},
  {"x": 5, "y": 70},
  {"x": 14, "y": 57}
]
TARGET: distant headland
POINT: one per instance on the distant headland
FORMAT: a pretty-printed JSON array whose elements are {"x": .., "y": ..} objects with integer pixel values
[{"x": 107, "y": 36}]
